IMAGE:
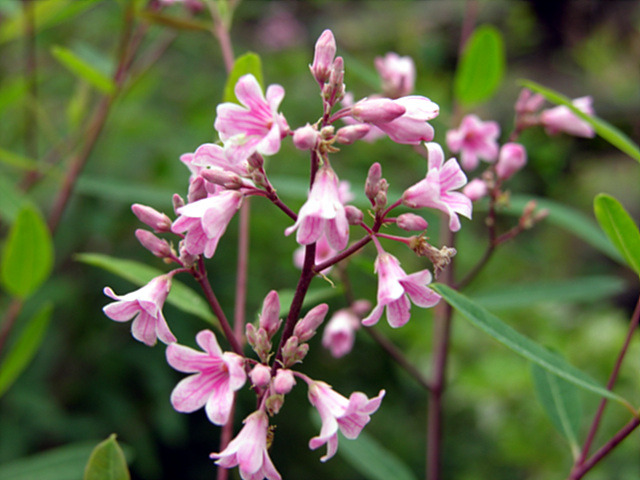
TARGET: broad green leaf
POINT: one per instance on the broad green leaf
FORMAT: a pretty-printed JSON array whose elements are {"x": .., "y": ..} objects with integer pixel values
[
  {"x": 178, "y": 23},
  {"x": 481, "y": 66},
  {"x": 570, "y": 219},
  {"x": 561, "y": 401},
  {"x": 12, "y": 200},
  {"x": 62, "y": 463},
  {"x": 83, "y": 70},
  {"x": 107, "y": 462},
  {"x": 607, "y": 131},
  {"x": 181, "y": 296},
  {"x": 620, "y": 228},
  {"x": 27, "y": 256},
  {"x": 24, "y": 348},
  {"x": 587, "y": 289},
  {"x": 369, "y": 457},
  {"x": 524, "y": 346},
  {"x": 248, "y": 63}
]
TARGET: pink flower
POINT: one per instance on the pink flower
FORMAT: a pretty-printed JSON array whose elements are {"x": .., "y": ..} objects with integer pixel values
[
  {"x": 254, "y": 127},
  {"x": 216, "y": 376},
  {"x": 436, "y": 190},
  {"x": 214, "y": 156},
  {"x": 323, "y": 212},
  {"x": 206, "y": 220},
  {"x": 323, "y": 253},
  {"x": 475, "y": 189},
  {"x": 340, "y": 332},
  {"x": 324, "y": 54},
  {"x": 395, "y": 288},
  {"x": 398, "y": 74},
  {"x": 144, "y": 306},
  {"x": 249, "y": 450},
  {"x": 475, "y": 139},
  {"x": 562, "y": 119},
  {"x": 512, "y": 158},
  {"x": 337, "y": 412}
]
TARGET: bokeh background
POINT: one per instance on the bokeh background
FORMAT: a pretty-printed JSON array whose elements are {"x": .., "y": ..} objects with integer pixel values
[{"x": 91, "y": 379}]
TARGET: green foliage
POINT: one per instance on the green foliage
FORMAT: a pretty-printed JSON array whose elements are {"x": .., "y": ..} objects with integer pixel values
[
  {"x": 12, "y": 201},
  {"x": 481, "y": 67},
  {"x": 27, "y": 256},
  {"x": 620, "y": 228},
  {"x": 83, "y": 70},
  {"x": 107, "y": 462},
  {"x": 249, "y": 63}
]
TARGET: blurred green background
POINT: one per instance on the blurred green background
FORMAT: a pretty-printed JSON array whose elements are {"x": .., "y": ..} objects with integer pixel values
[{"x": 90, "y": 378}]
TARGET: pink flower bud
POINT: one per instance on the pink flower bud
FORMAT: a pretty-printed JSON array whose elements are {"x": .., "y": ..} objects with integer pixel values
[
  {"x": 151, "y": 217},
  {"x": 475, "y": 189},
  {"x": 177, "y": 202},
  {"x": 228, "y": 180},
  {"x": 372, "y": 184},
  {"x": 377, "y": 110},
  {"x": 348, "y": 135},
  {"x": 411, "y": 222},
  {"x": 186, "y": 258},
  {"x": 305, "y": 138},
  {"x": 197, "y": 189},
  {"x": 306, "y": 328},
  {"x": 160, "y": 248},
  {"x": 260, "y": 375},
  {"x": 512, "y": 158},
  {"x": 290, "y": 351},
  {"x": 528, "y": 102},
  {"x": 284, "y": 381},
  {"x": 270, "y": 316},
  {"x": 325, "y": 51},
  {"x": 562, "y": 119},
  {"x": 354, "y": 215}
]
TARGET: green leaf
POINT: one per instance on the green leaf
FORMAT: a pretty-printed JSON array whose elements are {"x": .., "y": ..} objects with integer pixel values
[
  {"x": 12, "y": 200},
  {"x": 620, "y": 228},
  {"x": 15, "y": 160},
  {"x": 27, "y": 256},
  {"x": 481, "y": 66},
  {"x": 62, "y": 463},
  {"x": 248, "y": 63},
  {"x": 524, "y": 346},
  {"x": 587, "y": 289},
  {"x": 570, "y": 219},
  {"x": 561, "y": 401},
  {"x": 12, "y": 92},
  {"x": 107, "y": 462},
  {"x": 83, "y": 70},
  {"x": 181, "y": 296},
  {"x": 607, "y": 131},
  {"x": 25, "y": 348}
]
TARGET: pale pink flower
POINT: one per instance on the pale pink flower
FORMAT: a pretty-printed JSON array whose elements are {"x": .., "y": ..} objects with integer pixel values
[
  {"x": 437, "y": 188},
  {"x": 562, "y": 119},
  {"x": 475, "y": 189},
  {"x": 248, "y": 450},
  {"x": 206, "y": 220},
  {"x": 395, "y": 288},
  {"x": 398, "y": 74},
  {"x": 144, "y": 306},
  {"x": 474, "y": 140},
  {"x": 306, "y": 328},
  {"x": 513, "y": 156},
  {"x": 216, "y": 376},
  {"x": 214, "y": 156},
  {"x": 337, "y": 412},
  {"x": 528, "y": 102},
  {"x": 323, "y": 212},
  {"x": 340, "y": 332},
  {"x": 254, "y": 127}
]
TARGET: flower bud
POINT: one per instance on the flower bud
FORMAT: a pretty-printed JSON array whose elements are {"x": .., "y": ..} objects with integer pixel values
[
  {"x": 159, "y": 222},
  {"x": 335, "y": 88},
  {"x": 290, "y": 351},
  {"x": 325, "y": 51},
  {"x": 354, "y": 215},
  {"x": 349, "y": 134},
  {"x": 283, "y": 382},
  {"x": 197, "y": 189},
  {"x": 475, "y": 189},
  {"x": 273, "y": 404},
  {"x": 377, "y": 110},
  {"x": 372, "y": 184},
  {"x": 411, "y": 222},
  {"x": 260, "y": 375},
  {"x": 228, "y": 180},
  {"x": 528, "y": 102},
  {"x": 305, "y": 138},
  {"x": 160, "y": 248},
  {"x": 512, "y": 158},
  {"x": 270, "y": 317},
  {"x": 177, "y": 202},
  {"x": 306, "y": 328},
  {"x": 562, "y": 119},
  {"x": 186, "y": 258}
]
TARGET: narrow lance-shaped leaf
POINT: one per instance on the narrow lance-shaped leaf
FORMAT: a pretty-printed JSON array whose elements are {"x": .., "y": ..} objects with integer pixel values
[
  {"x": 248, "y": 63},
  {"x": 607, "y": 131},
  {"x": 620, "y": 228},
  {"x": 561, "y": 401},
  {"x": 24, "y": 348},
  {"x": 481, "y": 66},
  {"x": 107, "y": 462},
  {"x": 27, "y": 256},
  {"x": 524, "y": 346},
  {"x": 83, "y": 70}
]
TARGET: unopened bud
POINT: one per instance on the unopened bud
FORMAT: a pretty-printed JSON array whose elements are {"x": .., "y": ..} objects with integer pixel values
[
  {"x": 260, "y": 375},
  {"x": 349, "y": 134},
  {"x": 475, "y": 189},
  {"x": 228, "y": 180},
  {"x": 381, "y": 197},
  {"x": 354, "y": 215},
  {"x": 159, "y": 247},
  {"x": 325, "y": 51},
  {"x": 273, "y": 404},
  {"x": 177, "y": 202},
  {"x": 255, "y": 161},
  {"x": 411, "y": 222},
  {"x": 372, "y": 184},
  {"x": 159, "y": 222},
  {"x": 259, "y": 341},
  {"x": 528, "y": 102},
  {"x": 305, "y": 138},
  {"x": 283, "y": 382},
  {"x": 187, "y": 259},
  {"x": 270, "y": 316},
  {"x": 377, "y": 110},
  {"x": 335, "y": 90},
  {"x": 512, "y": 158},
  {"x": 290, "y": 351},
  {"x": 306, "y": 328},
  {"x": 197, "y": 189}
]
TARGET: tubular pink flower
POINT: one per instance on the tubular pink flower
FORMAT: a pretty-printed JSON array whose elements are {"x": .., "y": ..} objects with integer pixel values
[
  {"x": 216, "y": 376},
  {"x": 324, "y": 54},
  {"x": 214, "y": 156},
  {"x": 474, "y": 140},
  {"x": 144, "y": 306},
  {"x": 337, "y": 412},
  {"x": 411, "y": 128},
  {"x": 395, "y": 288},
  {"x": 306, "y": 328},
  {"x": 562, "y": 119},
  {"x": 436, "y": 190},
  {"x": 249, "y": 450},
  {"x": 206, "y": 220},
  {"x": 340, "y": 332},
  {"x": 254, "y": 127},
  {"x": 513, "y": 156},
  {"x": 323, "y": 212},
  {"x": 398, "y": 74},
  {"x": 269, "y": 318}
]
